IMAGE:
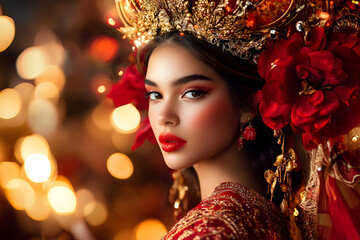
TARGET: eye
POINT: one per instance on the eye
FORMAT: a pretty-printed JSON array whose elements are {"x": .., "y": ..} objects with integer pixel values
[
  {"x": 194, "y": 93},
  {"x": 154, "y": 95}
]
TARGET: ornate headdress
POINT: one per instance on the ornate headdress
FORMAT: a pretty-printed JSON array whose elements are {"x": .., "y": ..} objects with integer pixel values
[
  {"x": 308, "y": 53},
  {"x": 240, "y": 27}
]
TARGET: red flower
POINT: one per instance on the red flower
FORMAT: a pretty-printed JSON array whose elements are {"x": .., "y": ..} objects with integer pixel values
[
  {"x": 131, "y": 89},
  {"x": 312, "y": 85}
]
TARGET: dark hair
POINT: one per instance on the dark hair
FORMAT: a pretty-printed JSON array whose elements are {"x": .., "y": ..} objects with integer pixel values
[{"x": 243, "y": 82}]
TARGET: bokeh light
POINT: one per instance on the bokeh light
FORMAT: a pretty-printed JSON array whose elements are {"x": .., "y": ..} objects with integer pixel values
[
  {"x": 101, "y": 89},
  {"x": 150, "y": 229},
  {"x": 10, "y": 103},
  {"x": 120, "y": 166},
  {"x": 26, "y": 91},
  {"x": 125, "y": 119},
  {"x": 53, "y": 74},
  {"x": 32, "y": 62},
  {"x": 37, "y": 168},
  {"x": 95, "y": 213},
  {"x": 83, "y": 197},
  {"x": 104, "y": 48},
  {"x": 8, "y": 171},
  {"x": 15, "y": 191},
  {"x": 32, "y": 144},
  {"x": 62, "y": 200},
  {"x": 43, "y": 117},
  {"x": 37, "y": 206},
  {"x": 47, "y": 39},
  {"x": 47, "y": 90},
  {"x": 111, "y": 21},
  {"x": 99, "y": 84},
  {"x": 7, "y": 35},
  {"x": 101, "y": 116}
]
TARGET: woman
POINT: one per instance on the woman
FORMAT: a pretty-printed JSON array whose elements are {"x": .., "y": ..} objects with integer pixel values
[
  {"x": 203, "y": 105},
  {"x": 196, "y": 116}
]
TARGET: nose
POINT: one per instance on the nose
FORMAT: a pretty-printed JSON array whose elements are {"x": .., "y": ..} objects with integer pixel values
[{"x": 168, "y": 115}]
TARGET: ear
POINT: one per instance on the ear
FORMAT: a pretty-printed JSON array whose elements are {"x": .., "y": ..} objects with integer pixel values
[{"x": 245, "y": 117}]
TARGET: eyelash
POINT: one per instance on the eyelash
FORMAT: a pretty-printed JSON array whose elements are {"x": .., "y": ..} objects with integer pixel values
[
  {"x": 201, "y": 92},
  {"x": 159, "y": 96}
]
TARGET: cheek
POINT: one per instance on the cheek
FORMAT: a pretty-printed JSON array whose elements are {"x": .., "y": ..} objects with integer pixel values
[
  {"x": 153, "y": 119},
  {"x": 215, "y": 114}
]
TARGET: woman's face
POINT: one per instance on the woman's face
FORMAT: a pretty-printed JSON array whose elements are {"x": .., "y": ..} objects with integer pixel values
[{"x": 191, "y": 111}]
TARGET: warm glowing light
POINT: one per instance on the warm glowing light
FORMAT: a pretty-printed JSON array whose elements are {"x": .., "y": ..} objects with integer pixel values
[
  {"x": 15, "y": 191},
  {"x": 37, "y": 206},
  {"x": 83, "y": 197},
  {"x": 111, "y": 21},
  {"x": 355, "y": 138},
  {"x": 104, "y": 48},
  {"x": 101, "y": 116},
  {"x": 48, "y": 40},
  {"x": 100, "y": 83},
  {"x": 62, "y": 200},
  {"x": 32, "y": 62},
  {"x": 8, "y": 171},
  {"x": 47, "y": 90},
  {"x": 26, "y": 91},
  {"x": 120, "y": 166},
  {"x": 101, "y": 89},
  {"x": 53, "y": 74},
  {"x": 138, "y": 43},
  {"x": 7, "y": 35},
  {"x": 37, "y": 168},
  {"x": 150, "y": 229},
  {"x": 296, "y": 212},
  {"x": 126, "y": 118},
  {"x": 10, "y": 103},
  {"x": 33, "y": 144},
  {"x": 95, "y": 213},
  {"x": 120, "y": 73},
  {"x": 324, "y": 15},
  {"x": 43, "y": 117}
]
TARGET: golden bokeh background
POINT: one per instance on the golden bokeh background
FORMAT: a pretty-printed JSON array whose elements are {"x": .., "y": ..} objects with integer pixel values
[{"x": 66, "y": 167}]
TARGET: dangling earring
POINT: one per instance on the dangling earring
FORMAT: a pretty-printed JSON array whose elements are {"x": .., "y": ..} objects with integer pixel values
[
  {"x": 249, "y": 134},
  {"x": 178, "y": 195}
]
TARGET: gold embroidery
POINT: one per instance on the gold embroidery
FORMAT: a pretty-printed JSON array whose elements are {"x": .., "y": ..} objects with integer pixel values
[{"x": 236, "y": 211}]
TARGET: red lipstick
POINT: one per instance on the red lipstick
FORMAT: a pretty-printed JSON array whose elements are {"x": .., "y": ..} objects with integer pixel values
[{"x": 170, "y": 143}]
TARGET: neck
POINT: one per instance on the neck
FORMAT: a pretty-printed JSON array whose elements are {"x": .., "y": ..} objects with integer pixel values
[{"x": 227, "y": 166}]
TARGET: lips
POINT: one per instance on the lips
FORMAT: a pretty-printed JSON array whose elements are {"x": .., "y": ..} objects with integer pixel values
[{"x": 170, "y": 143}]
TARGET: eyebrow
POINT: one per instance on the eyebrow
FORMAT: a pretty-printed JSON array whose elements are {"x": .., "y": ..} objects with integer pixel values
[{"x": 181, "y": 80}]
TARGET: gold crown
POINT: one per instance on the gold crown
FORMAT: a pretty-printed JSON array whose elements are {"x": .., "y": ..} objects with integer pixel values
[{"x": 240, "y": 27}]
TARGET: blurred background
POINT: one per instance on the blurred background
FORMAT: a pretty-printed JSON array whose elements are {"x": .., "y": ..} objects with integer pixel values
[{"x": 66, "y": 168}]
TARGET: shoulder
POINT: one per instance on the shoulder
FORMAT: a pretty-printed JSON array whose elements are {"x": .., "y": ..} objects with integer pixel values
[
  {"x": 204, "y": 222},
  {"x": 226, "y": 215}
]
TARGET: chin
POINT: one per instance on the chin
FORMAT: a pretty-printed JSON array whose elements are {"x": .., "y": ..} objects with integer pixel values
[{"x": 176, "y": 162}]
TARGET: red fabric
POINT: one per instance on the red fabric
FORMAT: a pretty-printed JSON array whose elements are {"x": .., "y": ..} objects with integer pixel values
[
  {"x": 345, "y": 221},
  {"x": 231, "y": 212},
  {"x": 339, "y": 205}
]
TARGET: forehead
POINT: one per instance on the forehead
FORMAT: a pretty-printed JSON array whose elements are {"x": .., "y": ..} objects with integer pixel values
[{"x": 170, "y": 62}]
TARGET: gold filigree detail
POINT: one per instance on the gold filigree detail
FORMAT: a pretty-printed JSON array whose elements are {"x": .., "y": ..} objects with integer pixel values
[{"x": 238, "y": 29}]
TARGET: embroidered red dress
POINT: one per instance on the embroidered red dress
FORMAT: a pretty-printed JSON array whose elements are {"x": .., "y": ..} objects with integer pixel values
[{"x": 231, "y": 212}]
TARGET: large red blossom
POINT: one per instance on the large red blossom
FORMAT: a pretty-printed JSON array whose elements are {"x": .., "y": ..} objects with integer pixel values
[
  {"x": 312, "y": 85},
  {"x": 131, "y": 89}
]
